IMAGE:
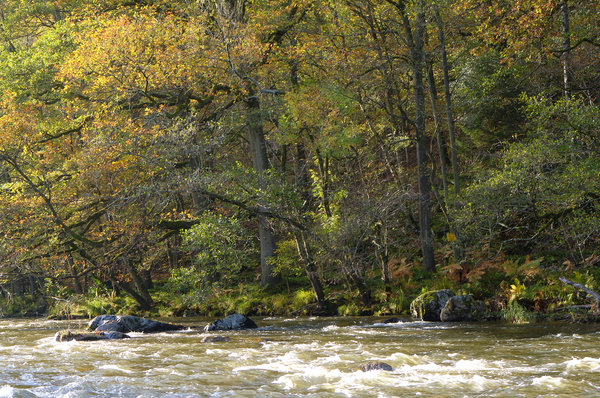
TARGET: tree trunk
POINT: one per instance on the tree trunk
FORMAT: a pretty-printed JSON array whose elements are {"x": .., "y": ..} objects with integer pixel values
[
  {"x": 302, "y": 178},
  {"x": 417, "y": 58},
  {"x": 323, "y": 164},
  {"x": 438, "y": 133},
  {"x": 258, "y": 149},
  {"x": 310, "y": 267},
  {"x": 566, "y": 32},
  {"x": 76, "y": 281},
  {"x": 450, "y": 116},
  {"x": 382, "y": 253},
  {"x": 233, "y": 10},
  {"x": 139, "y": 292},
  {"x": 355, "y": 279}
]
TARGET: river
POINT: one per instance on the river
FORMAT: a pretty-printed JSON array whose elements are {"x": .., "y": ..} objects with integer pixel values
[{"x": 306, "y": 357}]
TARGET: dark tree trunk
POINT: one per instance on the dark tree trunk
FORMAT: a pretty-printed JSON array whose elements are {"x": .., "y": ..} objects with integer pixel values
[
  {"x": 449, "y": 114},
  {"x": 260, "y": 162},
  {"x": 438, "y": 133},
  {"x": 139, "y": 290},
  {"x": 417, "y": 58},
  {"x": 73, "y": 271}
]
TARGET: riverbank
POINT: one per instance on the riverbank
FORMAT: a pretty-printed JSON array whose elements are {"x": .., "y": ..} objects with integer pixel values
[{"x": 519, "y": 297}]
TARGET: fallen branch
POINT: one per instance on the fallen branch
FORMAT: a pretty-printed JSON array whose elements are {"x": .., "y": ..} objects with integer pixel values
[{"x": 595, "y": 296}]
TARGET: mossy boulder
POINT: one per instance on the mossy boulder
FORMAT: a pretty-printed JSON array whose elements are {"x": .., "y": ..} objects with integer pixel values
[
  {"x": 428, "y": 306},
  {"x": 462, "y": 308}
]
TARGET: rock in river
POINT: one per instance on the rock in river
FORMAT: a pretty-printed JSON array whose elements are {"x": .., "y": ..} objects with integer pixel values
[
  {"x": 376, "y": 366},
  {"x": 462, "y": 308},
  {"x": 216, "y": 339},
  {"x": 232, "y": 322},
  {"x": 129, "y": 323},
  {"x": 428, "y": 306},
  {"x": 87, "y": 336}
]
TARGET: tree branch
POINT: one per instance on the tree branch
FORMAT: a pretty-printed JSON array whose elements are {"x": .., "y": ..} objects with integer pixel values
[
  {"x": 258, "y": 210},
  {"x": 558, "y": 53},
  {"x": 595, "y": 296}
]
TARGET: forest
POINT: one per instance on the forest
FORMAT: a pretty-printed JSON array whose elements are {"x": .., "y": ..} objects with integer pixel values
[{"x": 269, "y": 157}]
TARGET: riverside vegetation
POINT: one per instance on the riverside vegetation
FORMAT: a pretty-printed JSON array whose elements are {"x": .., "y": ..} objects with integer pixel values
[{"x": 172, "y": 158}]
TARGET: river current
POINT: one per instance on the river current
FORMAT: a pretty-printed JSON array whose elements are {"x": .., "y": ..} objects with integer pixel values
[{"x": 306, "y": 357}]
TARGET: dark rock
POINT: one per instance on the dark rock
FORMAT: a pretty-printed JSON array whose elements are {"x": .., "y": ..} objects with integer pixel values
[
  {"x": 392, "y": 320},
  {"x": 232, "y": 322},
  {"x": 376, "y": 366},
  {"x": 128, "y": 323},
  {"x": 112, "y": 326},
  {"x": 462, "y": 308},
  {"x": 115, "y": 335},
  {"x": 216, "y": 339},
  {"x": 428, "y": 306},
  {"x": 86, "y": 336}
]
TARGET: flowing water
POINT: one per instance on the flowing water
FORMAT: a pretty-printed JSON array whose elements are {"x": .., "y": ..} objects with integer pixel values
[{"x": 306, "y": 357}]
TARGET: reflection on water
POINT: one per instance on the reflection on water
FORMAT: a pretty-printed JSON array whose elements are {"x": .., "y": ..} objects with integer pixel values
[{"x": 306, "y": 357}]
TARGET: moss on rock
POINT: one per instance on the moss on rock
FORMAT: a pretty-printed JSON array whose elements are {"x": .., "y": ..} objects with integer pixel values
[{"x": 428, "y": 306}]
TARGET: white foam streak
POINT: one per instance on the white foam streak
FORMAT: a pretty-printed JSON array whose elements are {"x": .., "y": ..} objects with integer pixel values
[
  {"x": 115, "y": 368},
  {"x": 550, "y": 382},
  {"x": 586, "y": 364}
]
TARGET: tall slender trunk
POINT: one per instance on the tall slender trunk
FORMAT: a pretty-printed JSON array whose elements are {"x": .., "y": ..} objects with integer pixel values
[
  {"x": 302, "y": 178},
  {"x": 438, "y": 133},
  {"x": 258, "y": 149},
  {"x": 450, "y": 116},
  {"x": 417, "y": 58},
  {"x": 566, "y": 55},
  {"x": 304, "y": 190},
  {"x": 382, "y": 253}
]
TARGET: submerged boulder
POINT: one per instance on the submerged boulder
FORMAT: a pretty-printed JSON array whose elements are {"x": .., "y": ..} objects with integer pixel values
[
  {"x": 232, "y": 322},
  {"x": 462, "y": 308},
  {"x": 376, "y": 366},
  {"x": 216, "y": 339},
  {"x": 429, "y": 305},
  {"x": 129, "y": 323},
  {"x": 68, "y": 335}
]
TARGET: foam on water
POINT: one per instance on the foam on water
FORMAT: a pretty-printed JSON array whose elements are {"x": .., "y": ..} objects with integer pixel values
[
  {"x": 550, "y": 382},
  {"x": 129, "y": 354},
  {"x": 586, "y": 364},
  {"x": 331, "y": 328},
  {"x": 473, "y": 365},
  {"x": 116, "y": 368},
  {"x": 7, "y": 391}
]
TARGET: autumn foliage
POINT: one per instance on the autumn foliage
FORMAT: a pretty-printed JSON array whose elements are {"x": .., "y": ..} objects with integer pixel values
[{"x": 150, "y": 141}]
